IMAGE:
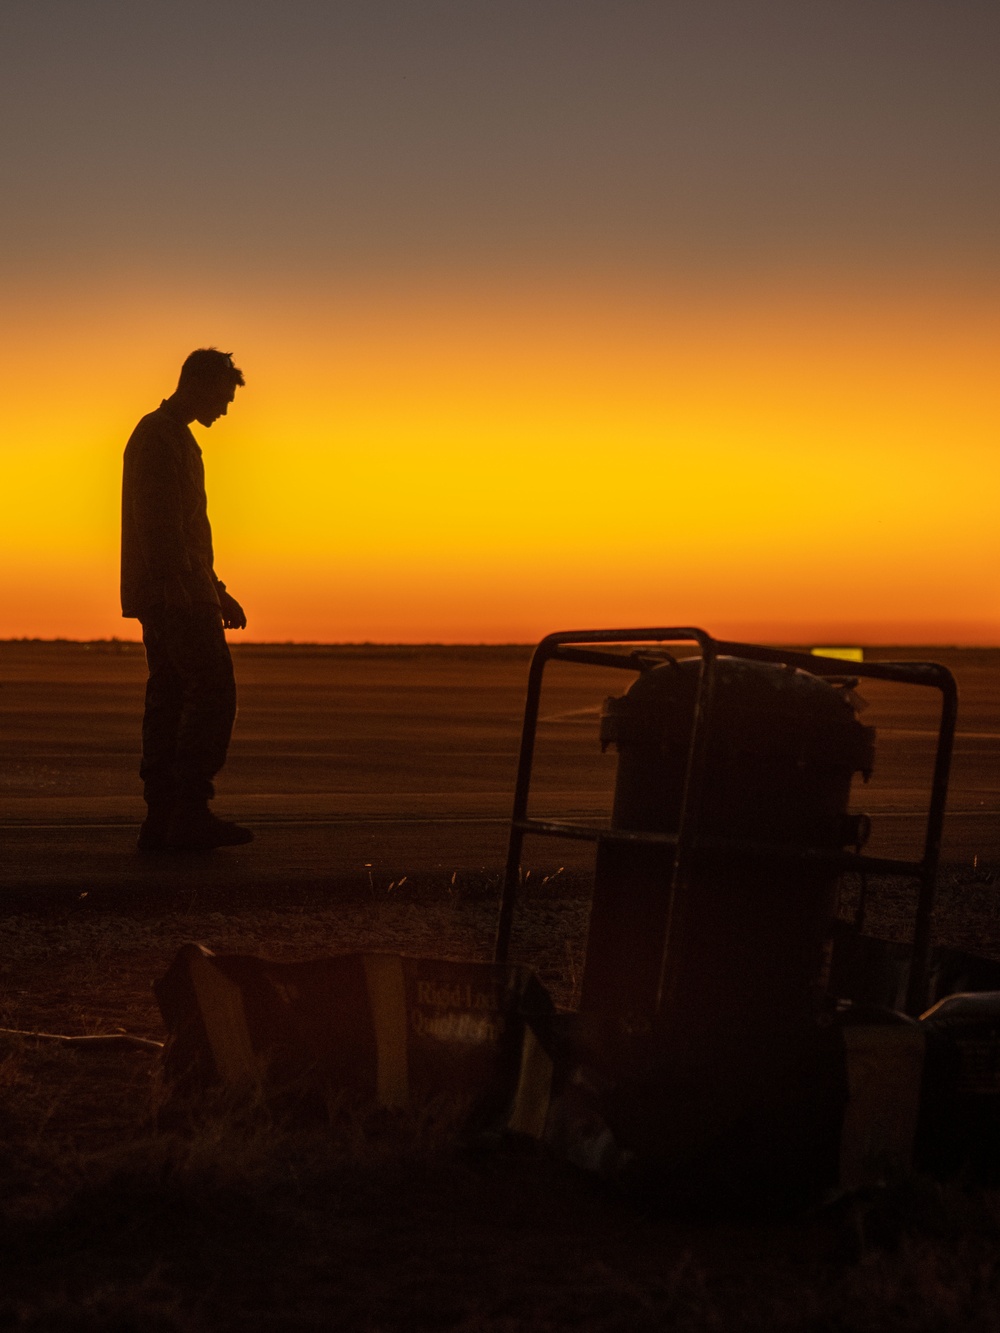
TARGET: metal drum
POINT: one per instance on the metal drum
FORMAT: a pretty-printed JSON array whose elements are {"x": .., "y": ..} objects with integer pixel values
[{"x": 734, "y": 946}]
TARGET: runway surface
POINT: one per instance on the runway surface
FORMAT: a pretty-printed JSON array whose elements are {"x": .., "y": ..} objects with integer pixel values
[{"x": 380, "y": 762}]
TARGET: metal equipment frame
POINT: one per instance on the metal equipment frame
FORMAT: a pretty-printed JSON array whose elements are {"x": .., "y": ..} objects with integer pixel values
[{"x": 586, "y": 647}]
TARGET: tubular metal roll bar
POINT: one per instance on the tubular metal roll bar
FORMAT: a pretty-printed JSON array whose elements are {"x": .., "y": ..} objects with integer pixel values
[{"x": 583, "y": 647}]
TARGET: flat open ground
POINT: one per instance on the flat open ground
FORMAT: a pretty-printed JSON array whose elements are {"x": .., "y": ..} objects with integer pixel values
[
  {"x": 401, "y": 759},
  {"x": 378, "y": 783}
]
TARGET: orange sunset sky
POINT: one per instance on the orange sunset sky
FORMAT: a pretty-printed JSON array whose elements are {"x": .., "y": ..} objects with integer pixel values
[{"x": 571, "y": 315}]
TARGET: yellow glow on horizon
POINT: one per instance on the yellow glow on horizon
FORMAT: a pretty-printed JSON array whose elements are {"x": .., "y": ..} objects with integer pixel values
[{"x": 487, "y": 466}]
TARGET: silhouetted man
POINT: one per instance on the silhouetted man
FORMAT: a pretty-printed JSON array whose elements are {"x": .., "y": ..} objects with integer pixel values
[{"x": 169, "y": 584}]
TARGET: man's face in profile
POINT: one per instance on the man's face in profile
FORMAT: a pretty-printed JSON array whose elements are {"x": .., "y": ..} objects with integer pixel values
[{"x": 213, "y": 402}]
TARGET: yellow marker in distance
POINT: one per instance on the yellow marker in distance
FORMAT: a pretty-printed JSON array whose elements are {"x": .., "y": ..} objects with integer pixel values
[{"x": 845, "y": 654}]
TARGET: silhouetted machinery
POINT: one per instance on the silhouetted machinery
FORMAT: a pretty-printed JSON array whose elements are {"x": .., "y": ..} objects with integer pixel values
[{"x": 735, "y": 1038}]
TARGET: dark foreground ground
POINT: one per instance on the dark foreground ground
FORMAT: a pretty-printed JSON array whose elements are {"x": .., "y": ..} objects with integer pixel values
[{"x": 378, "y": 783}]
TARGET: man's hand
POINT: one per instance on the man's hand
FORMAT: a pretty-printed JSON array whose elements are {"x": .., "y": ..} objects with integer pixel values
[{"x": 233, "y": 615}]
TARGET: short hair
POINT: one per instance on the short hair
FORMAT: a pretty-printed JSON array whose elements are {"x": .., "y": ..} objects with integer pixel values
[{"x": 207, "y": 365}]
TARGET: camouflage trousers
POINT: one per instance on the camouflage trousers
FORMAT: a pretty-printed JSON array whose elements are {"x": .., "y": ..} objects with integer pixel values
[{"x": 190, "y": 704}]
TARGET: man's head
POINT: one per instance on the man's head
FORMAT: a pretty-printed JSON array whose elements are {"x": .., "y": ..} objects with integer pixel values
[{"x": 208, "y": 384}]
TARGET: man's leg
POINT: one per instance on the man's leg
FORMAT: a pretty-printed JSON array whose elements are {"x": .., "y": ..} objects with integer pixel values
[
  {"x": 160, "y": 724},
  {"x": 197, "y": 655},
  {"x": 200, "y": 656}
]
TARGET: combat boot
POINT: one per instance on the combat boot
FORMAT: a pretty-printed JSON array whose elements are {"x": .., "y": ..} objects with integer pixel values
[
  {"x": 155, "y": 829},
  {"x": 193, "y": 828}
]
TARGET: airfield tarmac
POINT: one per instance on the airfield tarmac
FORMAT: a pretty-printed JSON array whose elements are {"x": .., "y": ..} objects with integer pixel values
[{"x": 369, "y": 762}]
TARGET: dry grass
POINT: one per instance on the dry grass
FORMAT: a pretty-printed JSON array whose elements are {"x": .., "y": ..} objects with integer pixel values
[{"x": 381, "y": 1222}]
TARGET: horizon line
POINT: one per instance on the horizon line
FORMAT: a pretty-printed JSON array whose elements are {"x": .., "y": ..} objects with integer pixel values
[{"x": 830, "y": 641}]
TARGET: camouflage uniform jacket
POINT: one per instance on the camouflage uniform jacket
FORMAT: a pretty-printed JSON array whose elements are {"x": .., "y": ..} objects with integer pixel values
[{"x": 165, "y": 527}]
